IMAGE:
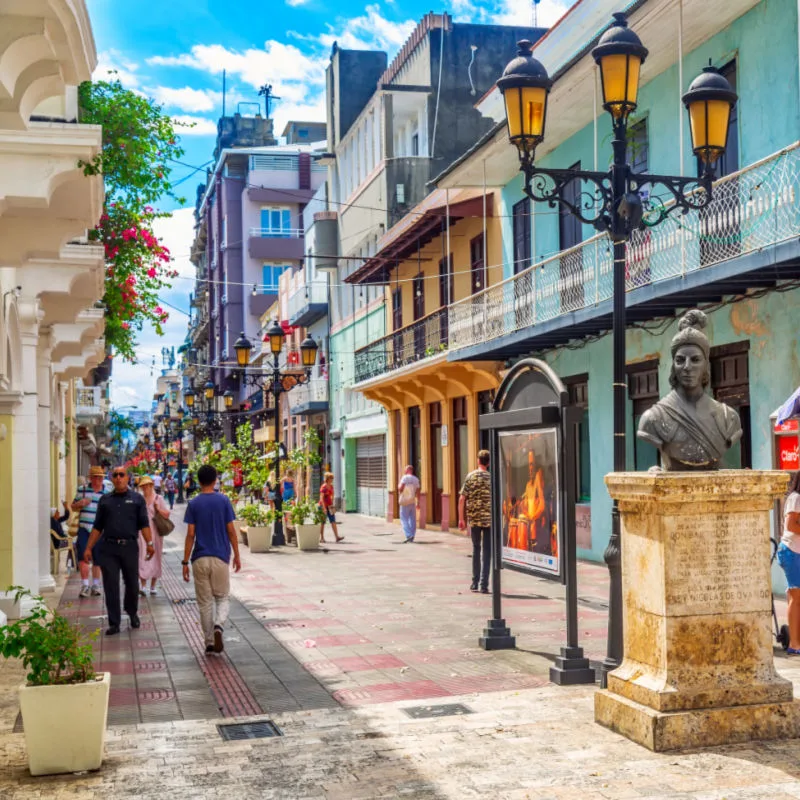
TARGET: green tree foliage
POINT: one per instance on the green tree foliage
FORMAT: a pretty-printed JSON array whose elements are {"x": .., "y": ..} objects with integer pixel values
[{"x": 139, "y": 144}]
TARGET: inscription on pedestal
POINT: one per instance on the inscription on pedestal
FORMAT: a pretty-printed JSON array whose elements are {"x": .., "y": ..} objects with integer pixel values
[{"x": 710, "y": 567}]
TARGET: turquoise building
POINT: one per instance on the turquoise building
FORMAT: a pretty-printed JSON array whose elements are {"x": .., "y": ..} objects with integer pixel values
[{"x": 739, "y": 259}]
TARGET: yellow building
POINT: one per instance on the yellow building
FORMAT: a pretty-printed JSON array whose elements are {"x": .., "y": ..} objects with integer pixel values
[{"x": 446, "y": 249}]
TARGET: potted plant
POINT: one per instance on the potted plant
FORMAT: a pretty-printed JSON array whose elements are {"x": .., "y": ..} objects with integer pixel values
[
  {"x": 260, "y": 523},
  {"x": 306, "y": 516},
  {"x": 64, "y": 703}
]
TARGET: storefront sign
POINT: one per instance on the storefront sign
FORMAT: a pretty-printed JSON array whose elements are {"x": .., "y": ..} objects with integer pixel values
[
  {"x": 530, "y": 501},
  {"x": 788, "y": 452}
]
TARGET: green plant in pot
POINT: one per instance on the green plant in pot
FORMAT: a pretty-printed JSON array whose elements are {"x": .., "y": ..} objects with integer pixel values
[
  {"x": 260, "y": 522},
  {"x": 64, "y": 703},
  {"x": 307, "y": 516}
]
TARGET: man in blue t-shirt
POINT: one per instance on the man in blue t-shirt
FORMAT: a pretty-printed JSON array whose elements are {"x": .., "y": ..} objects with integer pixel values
[{"x": 209, "y": 540}]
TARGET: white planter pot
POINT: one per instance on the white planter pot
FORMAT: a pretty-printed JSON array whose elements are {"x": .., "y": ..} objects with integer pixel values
[
  {"x": 307, "y": 537},
  {"x": 65, "y": 726},
  {"x": 259, "y": 538}
]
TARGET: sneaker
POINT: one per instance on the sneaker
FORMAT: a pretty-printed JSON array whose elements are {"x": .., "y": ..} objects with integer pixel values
[
  {"x": 96, "y": 592},
  {"x": 473, "y": 587},
  {"x": 135, "y": 621},
  {"x": 219, "y": 645},
  {"x": 210, "y": 648},
  {"x": 484, "y": 590},
  {"x": 142, "y": 593},
  {"x": 154, "y": 591},
  {"x": 85, "y": 591}
]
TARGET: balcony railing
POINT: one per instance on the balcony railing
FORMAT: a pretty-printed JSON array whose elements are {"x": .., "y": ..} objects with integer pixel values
[
  {"x": 306, "y": 300},
  {"x": 89, "y": 402},
  {"x": 277, "y": 233},
  {"x": 751, "y": 209},
  {"x": 422, "y": 339},
  {"x": 315, "y": 391}
]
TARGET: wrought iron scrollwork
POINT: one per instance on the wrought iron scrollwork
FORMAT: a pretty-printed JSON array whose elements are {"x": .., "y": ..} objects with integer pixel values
[{"x": 684, "y": 195}]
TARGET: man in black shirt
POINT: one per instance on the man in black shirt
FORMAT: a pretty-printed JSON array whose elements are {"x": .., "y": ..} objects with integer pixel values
[{"x": 120, "y": 517}]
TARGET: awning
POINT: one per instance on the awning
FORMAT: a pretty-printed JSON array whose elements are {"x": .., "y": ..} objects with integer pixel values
[
  {"x": 419, "y": 226},
  {"x": 791, "y": 408}
]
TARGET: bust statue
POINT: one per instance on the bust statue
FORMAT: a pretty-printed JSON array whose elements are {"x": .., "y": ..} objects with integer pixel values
[{"x": 690, "y": 428}]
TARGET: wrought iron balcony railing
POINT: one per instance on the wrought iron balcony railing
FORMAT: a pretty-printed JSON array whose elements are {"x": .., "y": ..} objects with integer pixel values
[
  {"x": 754, "y": 208},
  {"x": 422, "y": 339}
]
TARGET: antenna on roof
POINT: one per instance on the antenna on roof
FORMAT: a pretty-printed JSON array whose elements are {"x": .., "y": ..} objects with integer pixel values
[
  {"x": 266, "y": 92},
  {"x": 536, "y": 13}
]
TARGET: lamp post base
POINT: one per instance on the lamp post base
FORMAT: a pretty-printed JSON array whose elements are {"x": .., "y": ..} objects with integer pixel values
[
  {"x": 572, "y": 668},
  {"x": 497, "y": 636}
]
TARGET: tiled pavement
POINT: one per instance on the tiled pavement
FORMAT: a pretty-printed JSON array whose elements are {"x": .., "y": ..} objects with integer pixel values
[{"x": 333, "y": 645}]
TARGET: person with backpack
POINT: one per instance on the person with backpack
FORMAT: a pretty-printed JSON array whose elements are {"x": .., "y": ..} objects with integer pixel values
[{"x": 408, "y": 491}]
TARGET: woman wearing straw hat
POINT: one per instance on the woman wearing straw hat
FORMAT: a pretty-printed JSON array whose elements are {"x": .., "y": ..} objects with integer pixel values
[{"x": 151, "y": 569}]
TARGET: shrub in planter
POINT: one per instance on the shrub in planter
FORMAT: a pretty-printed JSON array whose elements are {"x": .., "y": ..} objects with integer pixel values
[
  {"x": 260, "y": 520},
  {"x": 64, "y": 703},
  {"x": 306, "y": 515}
]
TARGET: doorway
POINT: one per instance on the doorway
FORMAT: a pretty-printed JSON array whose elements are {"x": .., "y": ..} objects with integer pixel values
[{"x": 437, "y": 489}]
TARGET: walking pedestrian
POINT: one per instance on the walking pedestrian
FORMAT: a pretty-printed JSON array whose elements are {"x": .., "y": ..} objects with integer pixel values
[
  {"x": 120, "y": 517},
  {"x": 287, "y": 486},
  {"x": 210, "y": 537},
  {"x": 189, "y": 486},
  {"x": 408, "y": 490},
  {"x": 150, "y": 568},
  {"x": 157, "y": 481},
  {"x": 326, "y": 502},
  {"x": 85, "y": 502},
  {"x": 475, "y": 507},
  {"x": 789, "y": 559},
  {"x": 170, "y": 487}
]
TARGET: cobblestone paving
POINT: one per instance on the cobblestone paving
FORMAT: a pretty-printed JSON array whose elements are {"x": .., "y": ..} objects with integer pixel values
[{"x": 333, "y": 645}]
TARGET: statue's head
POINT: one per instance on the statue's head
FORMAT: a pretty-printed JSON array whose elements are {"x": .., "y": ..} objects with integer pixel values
[{"x": 691, "y": 366}]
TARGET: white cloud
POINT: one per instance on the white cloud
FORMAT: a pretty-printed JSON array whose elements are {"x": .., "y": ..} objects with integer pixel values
[
  {"x": 195, "y": 126},
  {"x": 114, "y": 61},
  {"x": 520, "y": 12},
  {"x": 295, "y": 3},
  {"x": 187, "y": 99},
  {"x": 370, "y": 30}
]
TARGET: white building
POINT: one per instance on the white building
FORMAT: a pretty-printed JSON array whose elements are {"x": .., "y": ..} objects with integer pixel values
[{"x": 50, "y": 277}]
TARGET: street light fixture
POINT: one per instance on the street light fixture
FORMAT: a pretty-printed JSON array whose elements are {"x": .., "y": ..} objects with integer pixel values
[
  {"x": 275, "y": 334},
  {"x": 618, "y": 208},
  {"x": 308, "y": 352},
  {"x": 228, "y": 399},
  {"x": 208, "y": 390},
  {"x": 189, "y": 396},
  {"x": 242, "y": 346}
]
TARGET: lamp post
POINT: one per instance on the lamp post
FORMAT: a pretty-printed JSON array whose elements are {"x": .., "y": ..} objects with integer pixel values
[
  {"x": 616, "y": 206},
  {"x": 276, "y": 383}
]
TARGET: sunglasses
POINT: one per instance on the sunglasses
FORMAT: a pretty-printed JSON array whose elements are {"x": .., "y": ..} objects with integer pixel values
[{"x": 119, "y": 474}]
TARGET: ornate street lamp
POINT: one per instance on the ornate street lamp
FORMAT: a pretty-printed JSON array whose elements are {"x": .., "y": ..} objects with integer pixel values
[
  {"x": 618, "y": 208},
  {"x": 243, "y": 346},
  {"x": 208, "y": 390},
  {"x": 275, "y": 334},
  {"x": 189, "y": 396},
  {"x": 228, "y": 399},
  {"x": 308, "y": 352}
]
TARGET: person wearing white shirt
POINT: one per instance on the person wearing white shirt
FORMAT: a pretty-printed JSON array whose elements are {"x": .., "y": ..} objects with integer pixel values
[{"x": 157, "y": 483}]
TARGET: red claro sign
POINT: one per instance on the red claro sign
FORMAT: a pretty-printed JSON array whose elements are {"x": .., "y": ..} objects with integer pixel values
[{"x": 788, "y": 452}]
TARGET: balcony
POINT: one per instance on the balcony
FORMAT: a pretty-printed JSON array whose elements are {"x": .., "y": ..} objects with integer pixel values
[
  {"x": 309, "y": 398},
  {"x": 308, "y": 303},
  {"x": 89, "y": 404},
  {"x": 276, "y": 245},
  {"x": 424, "y": 339},
  {"x": 746, "y": 237}
]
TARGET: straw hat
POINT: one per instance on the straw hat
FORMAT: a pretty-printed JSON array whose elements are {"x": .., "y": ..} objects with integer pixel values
[
  {"x": 98, "y": 472},
  {"x": 145, "y": 480}
]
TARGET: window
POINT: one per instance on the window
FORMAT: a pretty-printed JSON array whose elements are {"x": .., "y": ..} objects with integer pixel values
[
  {"x": 446, "y": 281},
  {"x": 302, "y": 133},
  {"x": 638, "y": 146},
  {"x": 270, "y": 276},
  {"x": 643, "y": 393},
  {"x": 276, "y": 221},
  {"x": 415, "y": 144},
  {"x": 521, "y": 228},
  {"x": 397, "y": 309},
  {"x": 570, "y": 231},
  {"x": 477, "y": 265}
]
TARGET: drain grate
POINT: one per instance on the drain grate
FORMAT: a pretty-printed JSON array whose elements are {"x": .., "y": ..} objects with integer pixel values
[
  {"x": 249, "y": 730},
  {"x": 446, "y": 710},
  {"x": 184, "y": 601}
]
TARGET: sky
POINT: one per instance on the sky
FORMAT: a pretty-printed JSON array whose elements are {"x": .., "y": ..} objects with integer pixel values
[{"x": 175, "y": 52}]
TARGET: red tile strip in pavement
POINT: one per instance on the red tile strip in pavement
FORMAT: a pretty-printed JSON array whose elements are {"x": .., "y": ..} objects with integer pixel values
[
  {"x": 389, "y": 692},
  {"x": 230, "y": 691}
]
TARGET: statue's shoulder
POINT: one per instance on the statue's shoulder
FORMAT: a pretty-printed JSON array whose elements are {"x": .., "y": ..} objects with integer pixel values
[
  {"x": 656, "y": 426},
  {"x": 729, "y": 421}
]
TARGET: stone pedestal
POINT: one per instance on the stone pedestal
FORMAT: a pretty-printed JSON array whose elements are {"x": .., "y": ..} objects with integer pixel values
[{"x": 698, "y": 667}]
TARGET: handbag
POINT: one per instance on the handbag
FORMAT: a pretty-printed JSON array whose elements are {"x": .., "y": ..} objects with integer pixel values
[
  {"x": 164, "y": 526},
  {"x": 408, "y": 496}
]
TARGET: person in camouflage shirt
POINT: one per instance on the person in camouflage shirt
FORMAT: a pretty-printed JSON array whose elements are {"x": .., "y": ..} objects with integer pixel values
[{"x": 475, "y": 506}]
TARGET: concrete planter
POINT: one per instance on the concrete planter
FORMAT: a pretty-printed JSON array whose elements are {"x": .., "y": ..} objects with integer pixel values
[
  {"x": 65, "y": 726},
  {"x": 259, "y": 538},
  {"x": 307, "y": 537}
]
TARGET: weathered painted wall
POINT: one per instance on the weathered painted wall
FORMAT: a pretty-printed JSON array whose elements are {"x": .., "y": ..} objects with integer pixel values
[{"x": 768, "y": 323}]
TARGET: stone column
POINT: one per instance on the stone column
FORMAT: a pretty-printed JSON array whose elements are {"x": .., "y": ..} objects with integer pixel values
[
  {"x": 426, "y": 485},
  {"x": 44, "y": 390},
  {"x": 392, "y": 478},
  {"x": 449, "y": 491},
  {"x": 698, "y": 668}
]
